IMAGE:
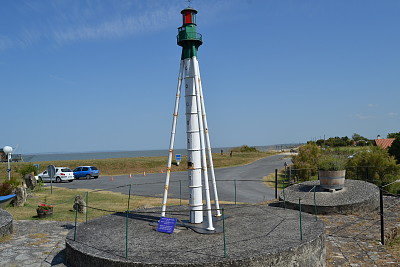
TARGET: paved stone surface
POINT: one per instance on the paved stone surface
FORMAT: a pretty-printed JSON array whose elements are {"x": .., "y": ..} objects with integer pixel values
[
  {"x": 354, "y": 240},
  {"x": 35, "y": 243}
]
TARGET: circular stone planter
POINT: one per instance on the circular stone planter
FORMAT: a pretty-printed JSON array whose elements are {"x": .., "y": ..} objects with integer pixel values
[
  {"x": 355, "y": 196},
  {"x": 6, "y": 223},
  {"x": 255, "y": 235}
]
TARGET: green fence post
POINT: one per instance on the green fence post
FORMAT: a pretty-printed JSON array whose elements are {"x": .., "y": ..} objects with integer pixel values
[
  {"x": 223, "y": 230},
  {"x": 284, "y": 198},
  {"x": 76, "y": 219},
  {"x": 129, "y": 197},
  {"x": 87, "y": 209},
  {"x": 315, "y": 204},
  {"x": 180, "y": 192},
  {"x": 235, "y": 191},
  {"x": 301, "y": 229},
  {"x": 276, "y": 183},
  {"x": 126, "y": 234}
]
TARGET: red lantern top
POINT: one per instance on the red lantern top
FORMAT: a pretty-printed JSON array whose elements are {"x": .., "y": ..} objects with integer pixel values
[{"x": 189, "y": 16}]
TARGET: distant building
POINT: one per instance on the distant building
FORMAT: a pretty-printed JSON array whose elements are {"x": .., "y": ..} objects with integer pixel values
[{"x": 384, "y": 143}]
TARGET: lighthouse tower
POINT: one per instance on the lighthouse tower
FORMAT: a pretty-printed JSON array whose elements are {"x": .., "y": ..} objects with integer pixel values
[{"x": 198, "y": 140}]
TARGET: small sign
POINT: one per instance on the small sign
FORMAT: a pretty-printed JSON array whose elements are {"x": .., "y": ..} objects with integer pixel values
[
  {"x": 178, "y": 157},
  {"x": 166, "y": 225},
  {"x": 36, "y": 166},
  {"x": 51, "y": 170}
]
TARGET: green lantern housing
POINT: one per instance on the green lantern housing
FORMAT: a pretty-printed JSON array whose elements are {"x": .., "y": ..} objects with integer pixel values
[{"x": 187, "y": 36}]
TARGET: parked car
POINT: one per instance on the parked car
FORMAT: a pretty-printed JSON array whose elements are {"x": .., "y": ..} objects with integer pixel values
[
  {"x": 87, "y": 172},
  {"x": 62, "y": 174}
]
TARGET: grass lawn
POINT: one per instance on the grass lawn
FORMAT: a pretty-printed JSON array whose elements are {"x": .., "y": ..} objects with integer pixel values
[
  {"x": 119, "y": 166},
  {"x": 100, "y": 203},
  {"x": 105, "y": 202}
]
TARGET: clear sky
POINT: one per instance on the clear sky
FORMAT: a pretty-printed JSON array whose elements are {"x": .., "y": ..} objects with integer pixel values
[{"x": 78, "y": 76}]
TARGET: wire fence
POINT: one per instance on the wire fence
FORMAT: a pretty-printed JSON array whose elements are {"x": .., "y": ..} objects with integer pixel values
[{"x": 386, "y": 219}]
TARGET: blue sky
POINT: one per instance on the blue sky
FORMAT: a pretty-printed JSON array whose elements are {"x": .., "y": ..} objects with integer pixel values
[{"x": 80, "y": 76}]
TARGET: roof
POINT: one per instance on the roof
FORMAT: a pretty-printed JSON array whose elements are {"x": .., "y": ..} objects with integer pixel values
[{"x": 384, "y": 143}]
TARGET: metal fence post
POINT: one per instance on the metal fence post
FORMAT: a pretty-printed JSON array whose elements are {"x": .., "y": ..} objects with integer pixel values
[
  {"x": 235, "y": 191},
  {"x": 284, "y": 197},
  {"x": 381, "y": 215},
  {"x": 76, "y": 219},
  {"x": 87, "y": 208},
  {"x": 129, "y": 197},
  {"x": 301, "y": 229},
  {"x": 126, "y": 234},
  {"x": 315, "y": 204},
  {"x": 180, "y": 192},
  {"x": 276, "y": 183},
  {"x": 223, "y": 230}
]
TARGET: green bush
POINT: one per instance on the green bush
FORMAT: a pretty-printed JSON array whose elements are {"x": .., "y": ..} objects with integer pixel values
[
  {"x": 306, "y": 161},
  {"x": 245, "y": 148},
  {"x": 24, "y": 170},
  {"x": 332, "y": 162},
  {"x": 374, "y": 164}
]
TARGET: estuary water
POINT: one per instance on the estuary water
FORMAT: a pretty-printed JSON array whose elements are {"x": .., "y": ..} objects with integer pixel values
[{"x": 129, "y": 154}]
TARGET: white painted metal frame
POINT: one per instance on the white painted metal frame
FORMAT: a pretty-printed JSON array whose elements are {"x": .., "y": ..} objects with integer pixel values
[{"x": 198, "y": 141}]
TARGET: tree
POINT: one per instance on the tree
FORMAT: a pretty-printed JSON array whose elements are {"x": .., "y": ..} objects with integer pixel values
[
  {"x": 394, "y": 149},
  {"x": 356, "y": 137},
  {"x": 394, "y": 135}
]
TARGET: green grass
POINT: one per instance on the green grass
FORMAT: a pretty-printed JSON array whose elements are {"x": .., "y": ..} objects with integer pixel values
[
  {"x": 105, "y": 202},
  {"x": 100, "y": 203},
  {"x": 137, "y": 165}
]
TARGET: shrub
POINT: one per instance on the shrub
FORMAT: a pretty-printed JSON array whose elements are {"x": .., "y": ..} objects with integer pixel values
[
  {"x": 245, "y": 148},
  {"x": 332, "y": 162},
  {"x": 26, "y": 170},
  {"x": 305, "y": 162},
  {"x": 374, "y": 164},
  {"x": 5, "y": 189}
]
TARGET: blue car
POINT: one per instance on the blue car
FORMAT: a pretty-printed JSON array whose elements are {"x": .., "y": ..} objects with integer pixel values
[{"x": 87, "y": 172}]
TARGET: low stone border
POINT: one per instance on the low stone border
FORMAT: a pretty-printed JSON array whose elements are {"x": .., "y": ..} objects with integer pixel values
[
  {"x": 356, "y": 196},
  {"x": 6, "y": 223},
  {"x": 256, "y": 235}
]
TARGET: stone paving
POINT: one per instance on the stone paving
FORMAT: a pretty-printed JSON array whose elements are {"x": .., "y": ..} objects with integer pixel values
[
  {"x": 352, "y": 240},
  {"x": 35, "y": 243}
]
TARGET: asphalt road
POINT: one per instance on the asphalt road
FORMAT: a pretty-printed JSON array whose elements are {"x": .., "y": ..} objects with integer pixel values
[{"x": 248, "y": 180}]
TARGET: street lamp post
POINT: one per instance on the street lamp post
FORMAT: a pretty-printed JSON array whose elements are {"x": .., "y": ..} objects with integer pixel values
[{"x": 8, "y": 150}]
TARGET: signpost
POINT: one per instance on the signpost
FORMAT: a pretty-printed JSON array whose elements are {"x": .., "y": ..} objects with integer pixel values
[
  {"x": 51, "y": 171},
  {"x": 178, "y": 158}
]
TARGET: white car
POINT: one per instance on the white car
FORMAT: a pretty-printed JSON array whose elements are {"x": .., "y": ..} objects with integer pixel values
[{"x": 62, "y": 174}]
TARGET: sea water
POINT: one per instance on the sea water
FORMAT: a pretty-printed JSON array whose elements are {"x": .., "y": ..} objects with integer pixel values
[{"x": 129, "y": 154}]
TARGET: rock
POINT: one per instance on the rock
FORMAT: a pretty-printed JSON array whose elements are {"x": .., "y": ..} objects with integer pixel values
[
  {"x": 21, "y": 196},
  {"x": 79, "y": 204},
  {"x": 30, "y": 181}
]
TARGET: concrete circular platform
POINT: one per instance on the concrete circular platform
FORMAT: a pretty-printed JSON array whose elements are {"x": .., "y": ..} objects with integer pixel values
[
  {"x": 6, "y": 223},
  {"x": 356, "y": 196},
  {"x": 256, "y": 235}
]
